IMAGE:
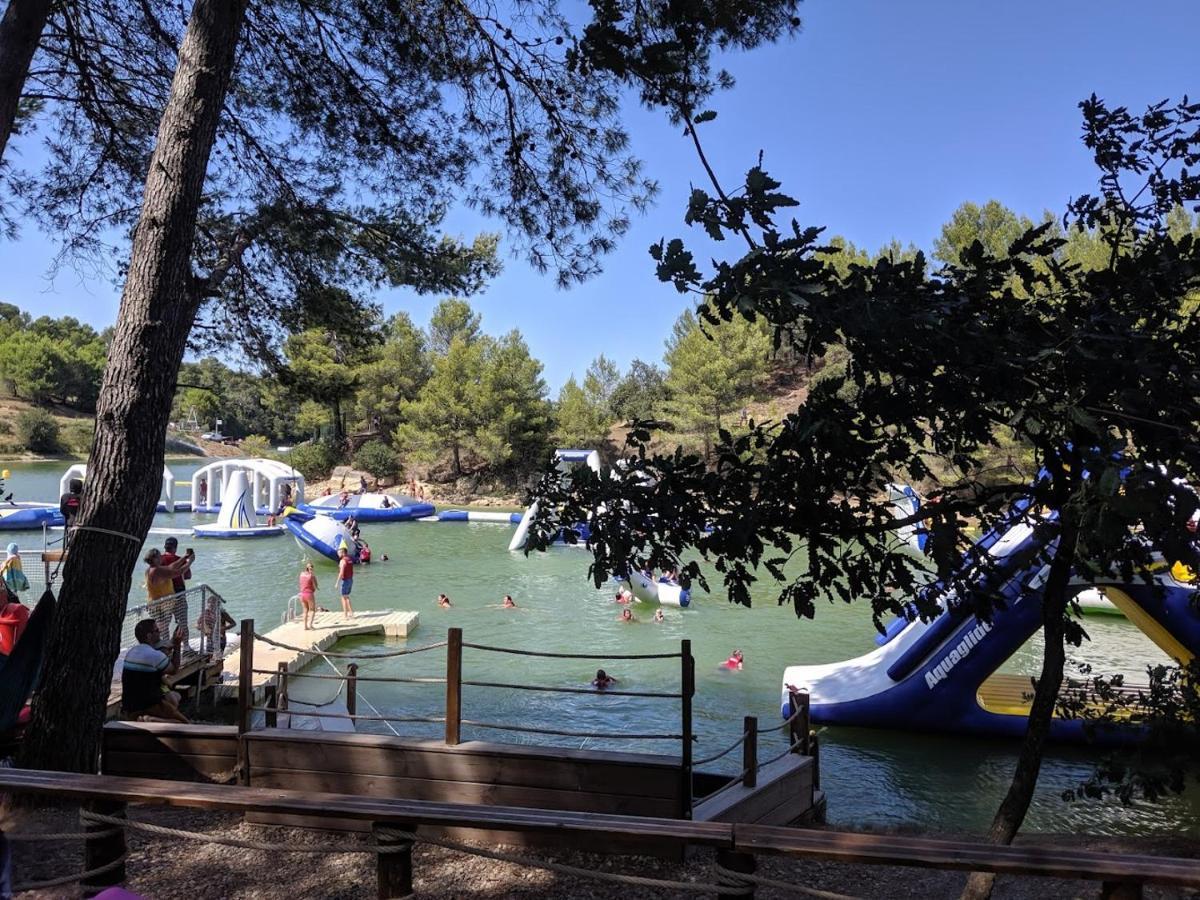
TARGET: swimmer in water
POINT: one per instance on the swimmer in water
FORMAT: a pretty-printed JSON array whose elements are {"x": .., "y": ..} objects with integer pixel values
[
  {"x": 734, "y": 661},
  {"x": 626, "y": 615},
  {"x": 658, "y": 616},
  {"x": 603, "y": 680},
  {"x": 444, "y": 602},
  {"x": 508, "y": 603},
  {"x": 620, "y": 597}
]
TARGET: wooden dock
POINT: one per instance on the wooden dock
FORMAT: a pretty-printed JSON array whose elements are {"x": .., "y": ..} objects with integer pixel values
[{"x": 329, "y": 628}]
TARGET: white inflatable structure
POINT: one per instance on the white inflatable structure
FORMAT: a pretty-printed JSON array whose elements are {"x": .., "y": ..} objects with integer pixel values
[
  {"x": 237, "y": 518},
  {"x": 264, "y": 477},
  {"x": 166, "y": 501},
  {"x": 565, "y": 461},
  {"x": 648, "y": 589}
]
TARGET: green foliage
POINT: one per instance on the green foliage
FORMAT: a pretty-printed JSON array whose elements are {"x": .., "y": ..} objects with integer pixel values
[
  {"x": 314, "y": 460},
  {"x": 256, "y": 446},
  {"x": 712, "y": 369},
  {"x": 641, "y": 394},
  {"x": 393, "y": 375},
  {"x": 77, "y": 436},
  {"x": 452, "y": 318},
  {"x": 379, "y": 459},
  {"x": 581, "y": 421},
  {"x": 51, "y": 360},
  {"x": 37, "y": 431}
]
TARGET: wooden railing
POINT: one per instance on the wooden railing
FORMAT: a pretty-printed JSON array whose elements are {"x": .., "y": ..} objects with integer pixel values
[{"x": 737, "y": 845}]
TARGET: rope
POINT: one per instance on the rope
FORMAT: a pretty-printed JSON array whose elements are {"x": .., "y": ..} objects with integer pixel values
[
  {"x": 354, "y": 716},
  {"x": 137, "y": 540},
  {"x": 362, "y": 697},
  {"x": 784, "y": 724},
  {"x": 573, "y": 655},
  {"x": 748, "y": 880},
  {"x": 616, "y": 877},
  {"x": 341, "y": 677},
  {"x": 581, "y": 734},
  {"x": 71, "y": 879},
  {"x": 313, "y": 649},
  {"x": 725, "y": 752},
  {"x": 564, "y": 690},
  {"x": 226, "y": 841},
  {"x": 791, "y": 748}
]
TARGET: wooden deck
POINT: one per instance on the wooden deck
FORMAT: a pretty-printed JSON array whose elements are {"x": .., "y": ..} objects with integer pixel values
[
  {"x": 188, "y": 667},
  {"x": 329, "y": 629}
]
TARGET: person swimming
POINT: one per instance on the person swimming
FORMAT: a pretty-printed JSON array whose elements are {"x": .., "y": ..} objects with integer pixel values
[
  {"x": 626, "y": 615},
  {"x": 603, "y": 680},
  {"x": 734, "y": 661},
  {"x": 621, "y": 596},
  {"x": 508, "y": 603},
  {"x": 443, "y": 601},
  {"x": 658, "y": 615}
]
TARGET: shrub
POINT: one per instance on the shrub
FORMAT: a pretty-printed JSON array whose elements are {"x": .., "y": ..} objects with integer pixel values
[
  {"x": 78, "y": 436},
  {"x": 257, "y": 446},
  {"x": 38, "y": 431},
  {"x": 377, "y": 458},
  {"x": 314, "y": 460}
]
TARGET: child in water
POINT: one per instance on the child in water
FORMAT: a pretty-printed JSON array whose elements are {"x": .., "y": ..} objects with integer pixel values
[
  {"x": 603, "y": 680},
  {"x": 734, "y": 661}
]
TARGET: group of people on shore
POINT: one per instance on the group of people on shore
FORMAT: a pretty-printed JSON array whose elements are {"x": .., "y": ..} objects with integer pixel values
[{"x": 148, "y": 665}]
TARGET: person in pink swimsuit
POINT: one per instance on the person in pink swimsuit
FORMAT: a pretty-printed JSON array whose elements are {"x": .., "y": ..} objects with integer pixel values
[{"x": 308, "y": 595}]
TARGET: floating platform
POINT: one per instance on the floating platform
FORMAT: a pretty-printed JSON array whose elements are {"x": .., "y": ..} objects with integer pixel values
[{"x": 330, "y": 627}]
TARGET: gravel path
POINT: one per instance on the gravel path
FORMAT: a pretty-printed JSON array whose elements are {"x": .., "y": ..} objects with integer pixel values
[{"x": 161, "y": 867}]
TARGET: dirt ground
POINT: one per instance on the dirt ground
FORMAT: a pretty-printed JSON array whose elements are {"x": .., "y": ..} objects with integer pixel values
[{"x": 163, "y": 867}]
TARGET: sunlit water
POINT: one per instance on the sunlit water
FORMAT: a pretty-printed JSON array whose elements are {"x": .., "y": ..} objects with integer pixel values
[{"x": 881, "y": 778}]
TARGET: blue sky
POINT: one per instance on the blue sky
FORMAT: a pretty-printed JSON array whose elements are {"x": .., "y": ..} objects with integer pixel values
[{"x": 881, "y": 117}]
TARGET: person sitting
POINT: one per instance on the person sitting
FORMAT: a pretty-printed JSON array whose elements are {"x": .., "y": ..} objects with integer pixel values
[
  {"x": 14, "y": 615},
  {"x": 352, "y": 526},
  {"x": 443, "y": 601},
  {"x": 626, "y": 615},
  {"x": 143, "y": 689},
  {"x": 734, "y": 661},
  {"x": 603, "y": 680},
  {"x": 508, "y": 603},
  {"x": 343, "y": 499},
  {"x": 327, "y": 492},
  {"x": 386, "y": 502},
  {"x": 11, "y": 572}
]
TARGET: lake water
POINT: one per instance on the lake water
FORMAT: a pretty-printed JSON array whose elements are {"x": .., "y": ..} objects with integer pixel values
[{"x": 878, "y": 778}]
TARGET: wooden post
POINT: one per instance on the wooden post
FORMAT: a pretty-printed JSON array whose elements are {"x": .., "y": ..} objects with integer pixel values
[
  {"x": 736, "y": 862},
  {"x": 270, "y": 702},
  {"x": 801, "y": 724},
  {"x": 282, "y": 680},
  {"x": 245, "y": 696},
  {"x": 395, "y": 870},
  {"x": 352, "y": 689},
  {"x": 453, "y": 685},
  {"x": 750, "y": 751},
  {"x": 687, "y": 690},
  {"x": 101, "y": 851},
  {"x": 814, "y": 750}
]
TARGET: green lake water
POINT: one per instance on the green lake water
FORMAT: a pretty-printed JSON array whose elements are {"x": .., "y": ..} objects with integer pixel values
[{"x": 881, "y": 778}]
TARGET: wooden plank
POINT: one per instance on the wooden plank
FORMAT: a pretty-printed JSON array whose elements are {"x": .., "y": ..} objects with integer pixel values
[
  {"x": 162, "y": 765},
  {"x": 784, "y": 783},
  {"x": 459, "y": 792},
  {"x": 487, "y": 763},
  {"x": 874, "y": 849},
  {"x": 169, "y": 737}
]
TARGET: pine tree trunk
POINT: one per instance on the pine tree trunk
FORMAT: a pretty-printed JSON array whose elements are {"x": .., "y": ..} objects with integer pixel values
[
  {"x": 1013, "y": 808},
  {"x": 158, "y": 306},
  {"x": 20, "y": 30}
]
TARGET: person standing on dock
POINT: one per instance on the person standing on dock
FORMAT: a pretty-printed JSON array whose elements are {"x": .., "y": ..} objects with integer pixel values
[
  {"x": 170, "y": 545},
  {"x": 308, "y": 595},
  {"x": 345, "y": 581}
]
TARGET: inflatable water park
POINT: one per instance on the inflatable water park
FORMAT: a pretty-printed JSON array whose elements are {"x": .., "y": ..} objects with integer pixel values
[
  {"x": 565, "y": 461},
  {"x": 369, "y": 507},
  {"x": 941, "y": 675},
  {"x": 237, "y": 518}
]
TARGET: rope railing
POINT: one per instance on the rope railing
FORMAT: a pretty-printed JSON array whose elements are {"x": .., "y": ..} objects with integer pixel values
[
  {"x": 378, "y": 679},
  {"x": 387, "y": 654},
  {"x": 357, "y": 717},
  {"x": 708, "y": 759},
  {"x": 549, "y": 655},
  {"x": 607, "y": 692},
  {"x": 527, "y": 729}
]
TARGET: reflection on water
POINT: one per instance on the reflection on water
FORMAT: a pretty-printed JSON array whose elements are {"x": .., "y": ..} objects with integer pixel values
[{"x": 946, "y": 784}]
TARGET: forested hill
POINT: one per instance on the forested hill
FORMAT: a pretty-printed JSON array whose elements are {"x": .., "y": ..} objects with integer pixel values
[{"x": 448, "y": 401}]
